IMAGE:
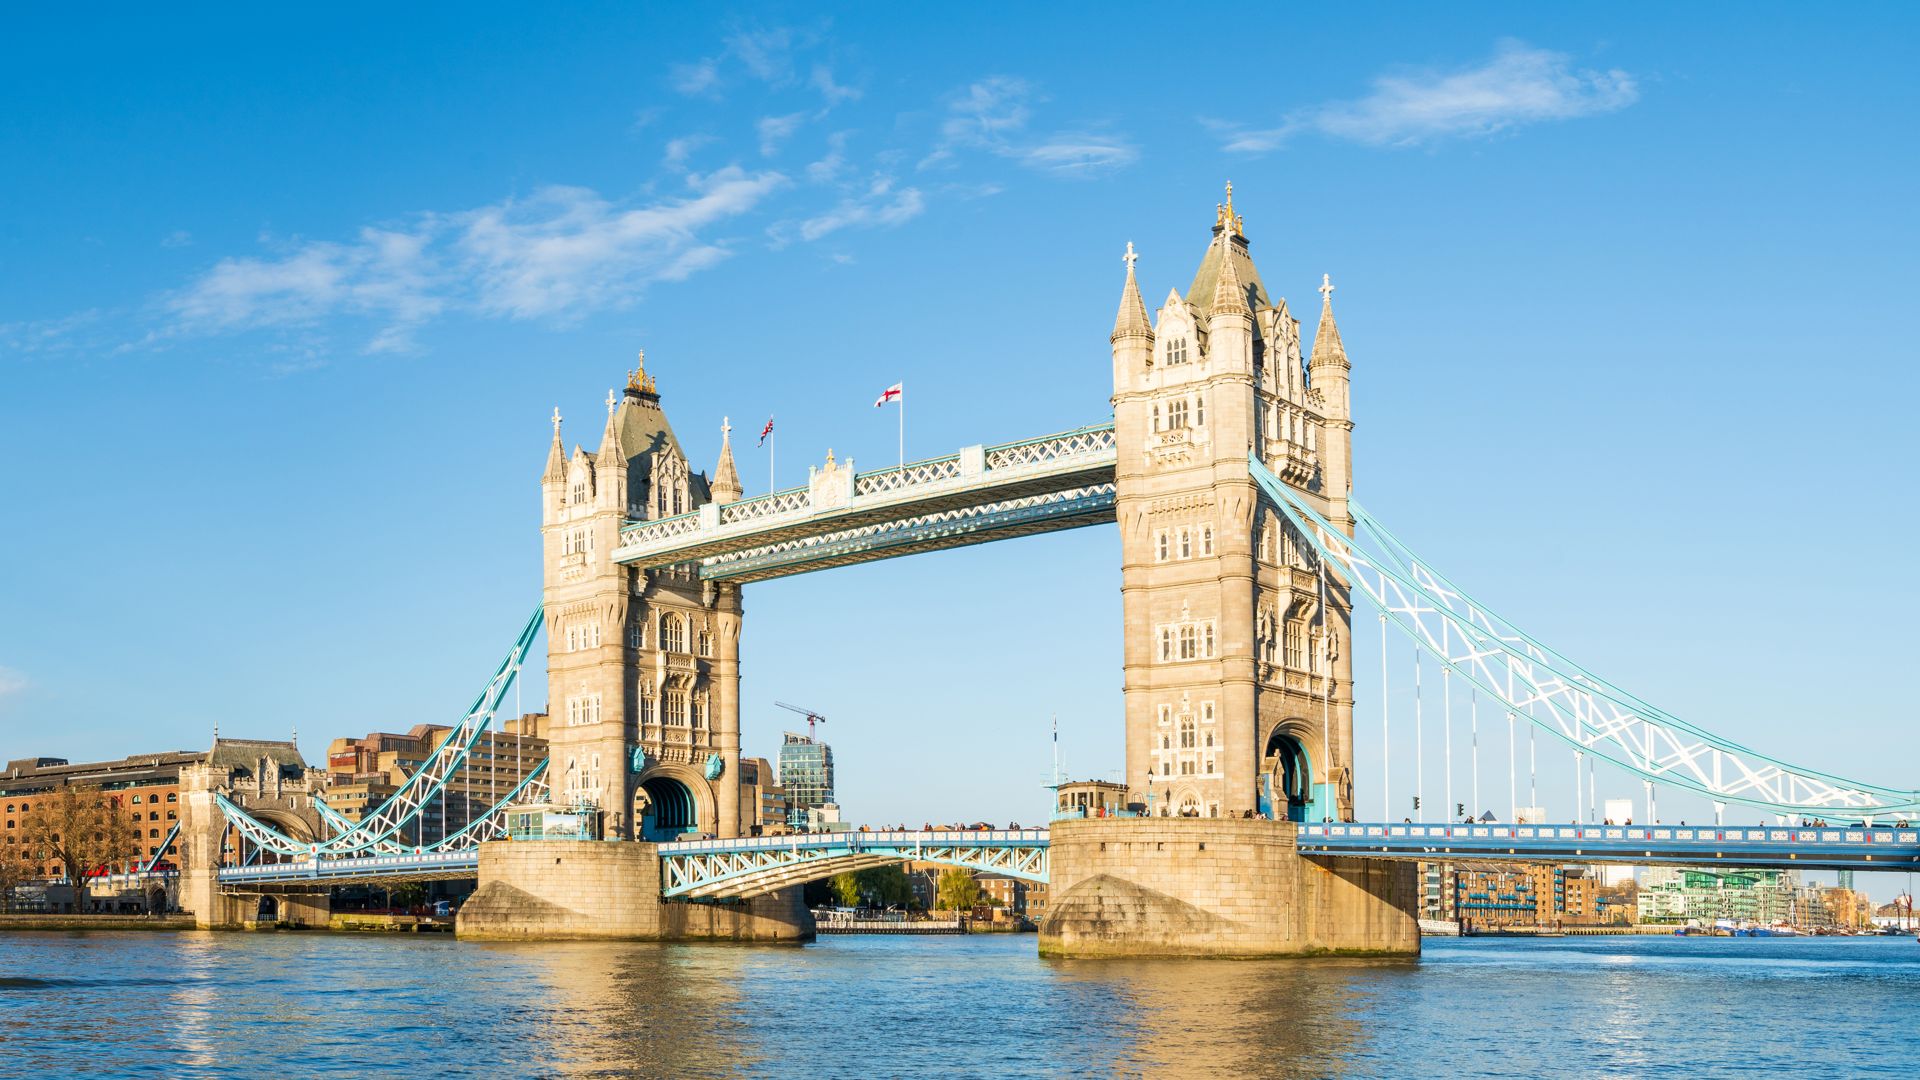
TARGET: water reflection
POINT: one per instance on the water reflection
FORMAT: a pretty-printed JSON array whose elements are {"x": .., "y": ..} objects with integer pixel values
[
  {"x": 1245, "y": 1017},
  {"x": 620, "y": 1008},
  {"x": 331, "y": 1005}
]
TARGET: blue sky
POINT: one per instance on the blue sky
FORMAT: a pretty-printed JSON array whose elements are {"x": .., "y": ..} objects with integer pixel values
[{"x": 289, "y": 296}]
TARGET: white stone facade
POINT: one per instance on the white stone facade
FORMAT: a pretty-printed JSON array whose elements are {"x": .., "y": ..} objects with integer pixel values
[
  {"x": 1227, "y": 644},
  {"x": 643, "y": 667}
]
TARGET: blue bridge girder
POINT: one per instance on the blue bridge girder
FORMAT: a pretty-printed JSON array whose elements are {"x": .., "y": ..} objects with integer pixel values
[
  {"x": 755, "y": 866},
  {"x": 453, "y": 865},
  {"x": 1757, "y": 848},
  {"x": 982, "y": 493}
]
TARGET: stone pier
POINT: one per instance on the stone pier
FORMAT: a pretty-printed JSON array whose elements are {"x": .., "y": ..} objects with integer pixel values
[
  {"x": 561, "y": 890},
  {"x": 1224, "y": 887}
]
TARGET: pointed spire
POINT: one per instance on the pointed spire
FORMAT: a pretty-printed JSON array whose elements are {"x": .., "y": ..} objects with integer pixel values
[
  {"x": 1229, "y": 295},
  {"x": 1327, "y": 348},
  {"x": 609, "y": 453},
  {"x": 1132, "y": 319},
  {"x": 556, "y": 455},
  {"x": 726, "y": 477}
]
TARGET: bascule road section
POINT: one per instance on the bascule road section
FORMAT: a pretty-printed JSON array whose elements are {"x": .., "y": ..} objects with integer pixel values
[{"x": 841, "y": 516}]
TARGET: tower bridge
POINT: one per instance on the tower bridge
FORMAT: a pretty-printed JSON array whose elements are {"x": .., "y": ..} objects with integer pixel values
[{"x": 1227, "y": 468}]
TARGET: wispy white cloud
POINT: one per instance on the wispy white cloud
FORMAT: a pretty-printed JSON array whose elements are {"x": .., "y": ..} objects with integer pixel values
[
  {"x": 681, "y": 148},
  {"x": 569, "y": 250},
  {"x": 644, "y": 119},
  {"x": 993, "y": 114},
  {"x": 560, "y": 254},
  {"x": 775, "y": 130},
  {"x": 767, "y": 52},
  {"x": 834, "y": 92},
  {"x": 1519, "y": 85},
  {"x": 11, "y": 683},
  {"x": 48, "y": 335},
  {"x": 771, "y": 55},
  {"x": 176, "y": 239},
  {"x": 697, "y": 79},
  {"x": 833, "y": 166},
  {"x": 1080, "y": 153},
  {"x": 878, "y": 206},
  {"x": 383, "y": 274}
]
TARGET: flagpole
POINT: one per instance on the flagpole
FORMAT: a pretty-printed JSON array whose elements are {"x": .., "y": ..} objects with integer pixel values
[
  {"x": 903, "y": 425},
  {"x": 772, "y": 484}
]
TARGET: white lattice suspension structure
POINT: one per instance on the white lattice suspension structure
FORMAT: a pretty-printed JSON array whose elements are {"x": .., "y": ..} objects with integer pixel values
[
  {"x": 838, "y": 505},
  {"x": 744, "y": 868},
  {"x": 1534, "y": 683},
  {"x": 380, "y": 826}
]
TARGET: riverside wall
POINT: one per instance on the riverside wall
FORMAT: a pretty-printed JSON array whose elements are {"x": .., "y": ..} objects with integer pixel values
[{"x": 1221, "y": 887}]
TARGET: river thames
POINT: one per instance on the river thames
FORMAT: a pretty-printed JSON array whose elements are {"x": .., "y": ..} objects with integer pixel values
[{"x": 291, "y": 1005}]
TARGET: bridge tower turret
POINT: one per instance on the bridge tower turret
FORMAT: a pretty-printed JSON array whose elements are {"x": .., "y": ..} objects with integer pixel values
[
  {"x": 642, "y": 665},
  {"x": 1227, "y": 651}
]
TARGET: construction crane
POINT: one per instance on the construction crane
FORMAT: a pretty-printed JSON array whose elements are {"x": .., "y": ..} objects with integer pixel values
[{"x": 812, "y": 717}]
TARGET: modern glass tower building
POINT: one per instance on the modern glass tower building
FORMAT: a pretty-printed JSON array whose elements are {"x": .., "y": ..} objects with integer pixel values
[{"x": 806, "y": 771}]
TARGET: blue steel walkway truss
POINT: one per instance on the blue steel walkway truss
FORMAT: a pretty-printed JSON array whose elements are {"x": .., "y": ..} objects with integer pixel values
[
  {"x": 737, "y": 869},
  {"x": 1764, "y": 847}
]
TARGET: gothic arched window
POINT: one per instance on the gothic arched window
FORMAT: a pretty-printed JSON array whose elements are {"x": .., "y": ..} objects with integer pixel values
[
  {"x": 673, "y": 633},
  {"x": 1186, "y": 733},
  {"x": 1177, "y": 350}
]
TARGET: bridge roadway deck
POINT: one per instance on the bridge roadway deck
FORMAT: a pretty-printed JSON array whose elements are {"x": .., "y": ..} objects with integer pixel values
[
  {"x": 1764, "y": 847},
  {"x": 705, "y": 868},
  {"x": 714, "y": 868}
]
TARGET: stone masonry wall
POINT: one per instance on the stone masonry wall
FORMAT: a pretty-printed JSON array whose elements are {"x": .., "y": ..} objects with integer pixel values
[
  {"x": 1217, "y": 887},
  {"x": 553, "y": 890}
]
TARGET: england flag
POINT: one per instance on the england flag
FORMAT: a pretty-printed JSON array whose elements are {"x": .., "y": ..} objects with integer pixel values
[{"x": 892, "y": 393}]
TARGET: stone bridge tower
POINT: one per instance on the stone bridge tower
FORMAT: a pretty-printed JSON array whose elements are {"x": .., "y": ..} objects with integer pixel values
[
  {"x": 1238, "y": 682},
  {"x": 643, "y": 666},
  {"x": 271, "y": 781}
]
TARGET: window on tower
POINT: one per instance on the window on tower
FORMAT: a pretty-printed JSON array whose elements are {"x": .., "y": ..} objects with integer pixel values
[
  {"x": 1177, "y": 350},
  {"x": 1206, "y": 539},
  {"x": 1161, "y": 546},
  {"x": 1176, "y": 414},
  {"x": 1199, "y": 410},
  {"x": 673, "y": 633}
]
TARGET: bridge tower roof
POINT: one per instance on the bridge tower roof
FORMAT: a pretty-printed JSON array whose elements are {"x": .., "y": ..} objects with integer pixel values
[{"x": 1229, "y": 242}]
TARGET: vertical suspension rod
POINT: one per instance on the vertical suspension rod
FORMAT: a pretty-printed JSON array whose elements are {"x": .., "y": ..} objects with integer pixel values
[
  {"x": 1386, "y": 736},
  {"x": 1419, "y": 744}
]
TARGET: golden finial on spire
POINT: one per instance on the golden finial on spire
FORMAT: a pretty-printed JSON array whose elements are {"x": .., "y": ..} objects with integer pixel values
[
  {"x": 639, "y": 381},
  {"x": 1225, "y": 219}
]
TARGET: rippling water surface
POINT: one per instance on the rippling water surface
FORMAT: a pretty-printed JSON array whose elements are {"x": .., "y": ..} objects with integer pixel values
[{"x": 295, "y": 1005}]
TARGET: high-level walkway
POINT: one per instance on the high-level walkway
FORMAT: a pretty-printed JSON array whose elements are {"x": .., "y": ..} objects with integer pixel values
[{"x": 840, "y": 516}]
